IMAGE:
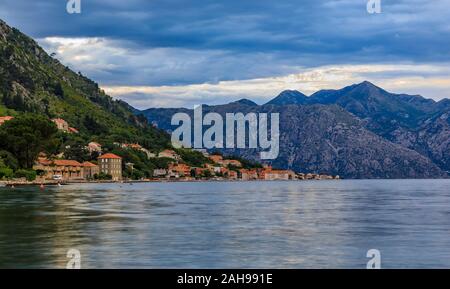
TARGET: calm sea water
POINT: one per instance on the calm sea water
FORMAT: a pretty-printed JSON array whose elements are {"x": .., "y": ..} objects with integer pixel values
[{"x": 309, "y": 224}]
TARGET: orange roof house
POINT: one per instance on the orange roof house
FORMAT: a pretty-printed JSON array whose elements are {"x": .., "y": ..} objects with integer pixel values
[
  {"x": 90, "y": 170},
  {"x": 224, "y": 170},
  {"x": 65, "y": 169},
  {"x": 199, "y": 171},
  {"x": 109, "y": 156},
  {"x": 73, "y": 130},
  {"x": 132, "y": 145},
  {"x": 138, "y": 147},
  {"x": 88, "y": 164},
  {"x": 44, "y": 161},
  {"x": 218, "y": 159},
  {"x": 235, "y": 163},
  {"x": 3, "y": 119},
  {"x": 169, "y": 154},
  {"x": 264, "y": 171},
  {"x": 111, "y": 164},
  {"x": 62, "y": 125},
  {"x": 94, "y": 147},
  {"x": 232, "y": 175},
  {"x": 279, "y": 175},
  {"x": 243, "y": 174},
  {"x": 181, "y": 169},
  {"x": 253, "y": 174},
  {"x": 67, "y": 163}
]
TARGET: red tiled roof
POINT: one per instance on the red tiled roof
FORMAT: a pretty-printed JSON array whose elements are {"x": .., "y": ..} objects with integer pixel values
[
  {"x": 67, "y": 163},
  {"x": 74, "y": 130},
  {"x": 88, "y": 164},
  {"x": 216, "y": 158},
  {"x": 44, "y": 161},
  {"x": 5, "y": 118},
  {"x": 133, "y": 145},
  {"x": 277, "y": 172},
  {"x": 109, "y": 156},
  {"x": 59, "y": 120}
]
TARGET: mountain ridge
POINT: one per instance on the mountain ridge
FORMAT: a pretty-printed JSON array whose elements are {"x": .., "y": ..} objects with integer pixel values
[
  {"x": 390, "y": 121},
  {"x": 289, "y": 97},
  {"x": 330, "y": 141}
]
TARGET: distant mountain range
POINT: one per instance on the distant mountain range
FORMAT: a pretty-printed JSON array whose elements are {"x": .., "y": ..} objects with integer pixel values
[{"x": 360, "y": 131}]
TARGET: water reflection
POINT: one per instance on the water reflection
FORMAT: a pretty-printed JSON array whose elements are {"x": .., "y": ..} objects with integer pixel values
[{"x": 210, "y": 225}]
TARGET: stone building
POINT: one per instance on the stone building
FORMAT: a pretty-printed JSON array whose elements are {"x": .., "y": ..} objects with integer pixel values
[
  {"x": 111, "y": 164},
  {"x": 90, "y": 170},
  {"x": 60, "y": 169}
]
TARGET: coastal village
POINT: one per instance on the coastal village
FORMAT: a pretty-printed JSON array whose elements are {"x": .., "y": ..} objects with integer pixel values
[{"x": 108, "y": 167}]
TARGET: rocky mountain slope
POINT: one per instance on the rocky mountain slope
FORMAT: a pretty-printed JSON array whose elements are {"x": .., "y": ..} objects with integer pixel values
[
  {"x": 325, "y": 139},
  {"x": 32, "y": 81},
  {"x": 431, "y": 138},
  {"x": 409, "y": 120}
]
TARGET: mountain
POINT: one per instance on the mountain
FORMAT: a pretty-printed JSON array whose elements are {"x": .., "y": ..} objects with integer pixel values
[
  {"x": 33, "y": 82},
  {"x": 409, "y": 120},
  {"x": 324, "y": 139},
  {"x": 431, "y": 138},
  {"x": 245, "y": 101},
  {"x": 333, "y": 141},
  {"x": 384, "y": 112},
  {"x": 289, "y": 97}
]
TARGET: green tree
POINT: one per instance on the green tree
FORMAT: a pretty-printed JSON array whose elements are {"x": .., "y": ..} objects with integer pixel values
[
  {"x": 6, "y": 173},
  {"x": 102, "y": 176},
  {"x": 193, "y": 158},
  {"x": 29, "y": 175},
  {"x": 207, "y": 174},
  {"x": 8, "y": 160},
  {"x": 161, "y": 163},
  {"x": 76, "y": 150},
  {"x": 27, "y": 135}
]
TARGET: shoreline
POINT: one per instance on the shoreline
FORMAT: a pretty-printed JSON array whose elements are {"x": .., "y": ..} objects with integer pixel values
[{"x": 65, "y": 183}]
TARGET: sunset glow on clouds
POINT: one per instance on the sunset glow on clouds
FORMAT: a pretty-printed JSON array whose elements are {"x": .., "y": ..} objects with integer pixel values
[{"x": 263, "y": 89}]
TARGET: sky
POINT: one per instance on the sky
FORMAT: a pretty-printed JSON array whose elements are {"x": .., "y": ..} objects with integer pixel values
[{"x": 173, "y": 53}]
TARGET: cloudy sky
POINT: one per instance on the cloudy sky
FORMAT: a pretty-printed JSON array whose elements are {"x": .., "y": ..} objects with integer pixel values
[{"x": 170, "y": 53}]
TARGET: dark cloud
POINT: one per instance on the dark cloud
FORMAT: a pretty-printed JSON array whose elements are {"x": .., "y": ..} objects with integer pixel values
[{"x": 244, "y": 39}]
